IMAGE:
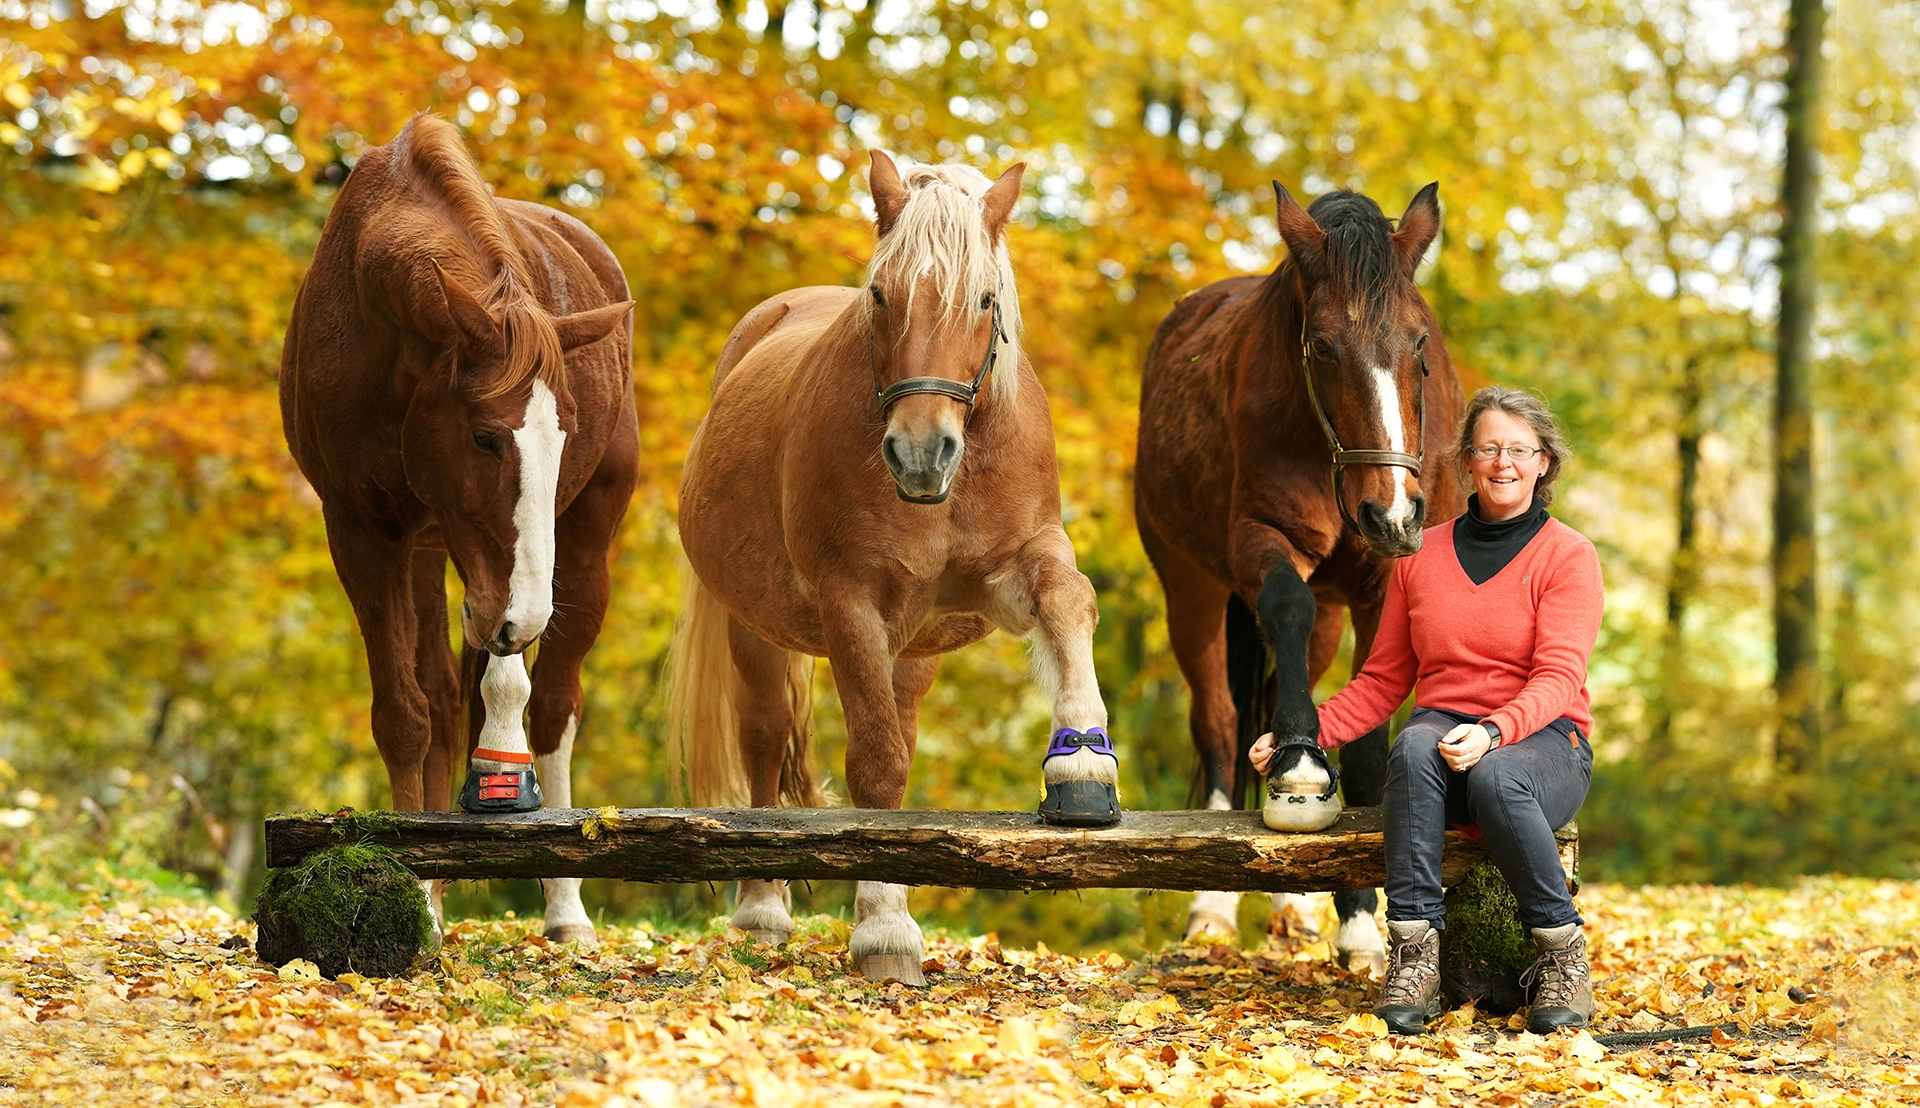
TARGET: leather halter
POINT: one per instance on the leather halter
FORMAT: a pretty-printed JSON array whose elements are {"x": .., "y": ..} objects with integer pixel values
[
  {"x": 1342, "y": 457},
  {"x": 962, "y": 391}
]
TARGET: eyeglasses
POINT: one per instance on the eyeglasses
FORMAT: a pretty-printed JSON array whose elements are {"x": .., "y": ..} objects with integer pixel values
[{"x": 1518, "y": 453}]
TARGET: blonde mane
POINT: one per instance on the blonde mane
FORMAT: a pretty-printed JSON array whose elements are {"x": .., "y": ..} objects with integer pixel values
[
  {"x": 433, "y": 154},
  {"x": 941, "y": 234}
]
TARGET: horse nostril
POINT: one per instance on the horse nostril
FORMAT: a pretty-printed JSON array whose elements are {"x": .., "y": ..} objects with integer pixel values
[
  {"x": 1372, "y": 518},
  {"x": 505, "y": 637},
  {"x": 890, "y": 453},
  {"x": 949, "y": 449},
  {"x": 1419, "y": 512}
]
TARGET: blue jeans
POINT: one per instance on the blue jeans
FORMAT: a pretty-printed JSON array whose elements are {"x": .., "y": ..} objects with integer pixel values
[{"x": 1517, "y": 794}]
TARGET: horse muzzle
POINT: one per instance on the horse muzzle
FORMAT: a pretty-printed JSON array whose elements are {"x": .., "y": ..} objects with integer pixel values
[
  {"x": 1393, "y": 536},
  {"x": 923, "y": 466}
]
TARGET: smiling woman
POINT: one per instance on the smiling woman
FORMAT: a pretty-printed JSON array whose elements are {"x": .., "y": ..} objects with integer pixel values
[{"x": 1489, "y": 626}]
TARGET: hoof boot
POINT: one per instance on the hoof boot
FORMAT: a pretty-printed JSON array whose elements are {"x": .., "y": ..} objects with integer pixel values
[
  {"x": 1081, "y": 804},
  {"x": 494, "y": 793}
]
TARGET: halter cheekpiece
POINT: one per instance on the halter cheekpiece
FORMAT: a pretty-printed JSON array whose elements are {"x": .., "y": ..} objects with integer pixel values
[
  {"x": 966, "y": 393},
  {"x": 1342, "y": 457}
]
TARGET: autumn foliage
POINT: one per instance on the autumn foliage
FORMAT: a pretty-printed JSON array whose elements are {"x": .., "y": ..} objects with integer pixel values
[{"x": 178, "y": 655}]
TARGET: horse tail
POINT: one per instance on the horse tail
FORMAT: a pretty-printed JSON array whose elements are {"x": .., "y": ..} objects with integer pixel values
[
  {"x": 703, "y": 711},
  {"x": 1250, "y": 680}
]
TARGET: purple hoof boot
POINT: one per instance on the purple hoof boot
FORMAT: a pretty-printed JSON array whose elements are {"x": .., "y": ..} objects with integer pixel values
[{"x": 1081, "y": 803}]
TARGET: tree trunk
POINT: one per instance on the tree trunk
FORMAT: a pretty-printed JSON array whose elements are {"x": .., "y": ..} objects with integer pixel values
[
  {"x": 980, "y": 850},
  {"x": 1795, "y": 555}
]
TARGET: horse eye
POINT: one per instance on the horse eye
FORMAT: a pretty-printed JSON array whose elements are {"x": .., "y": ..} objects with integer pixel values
[
  {"x": 487, "y": 441},
  {"x": 986, "y": 302},
  {"x": 1323, "y": 350},
  {"x": 1419, "y": 344},
  {"x": 877, "y": 297}
]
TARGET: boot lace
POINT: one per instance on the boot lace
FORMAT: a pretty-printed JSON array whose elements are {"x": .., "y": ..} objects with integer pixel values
[
  {"x": 1412, "y": 964},
  {"x": 1558, "y": 973}
]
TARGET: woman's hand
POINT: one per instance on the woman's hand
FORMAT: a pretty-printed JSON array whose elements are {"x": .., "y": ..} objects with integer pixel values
[
  {"x": 1262, "y": 753},
  {"x": 1465, "y": 745}
]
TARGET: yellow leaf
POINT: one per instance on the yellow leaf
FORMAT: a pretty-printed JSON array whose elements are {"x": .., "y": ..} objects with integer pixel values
[
  {"x": 602, "y": 819},
  {"x": 1365, "y": 1025},
  {"x": 1017, "y": 1037},
  {"x": 299, "y": 970}
]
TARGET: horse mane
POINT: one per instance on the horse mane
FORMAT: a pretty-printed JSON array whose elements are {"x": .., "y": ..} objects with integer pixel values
[
  {"x": 1358, "y": 257},
  {"x": 942, "y": 233},
  {"x": 433, "y": 156}
]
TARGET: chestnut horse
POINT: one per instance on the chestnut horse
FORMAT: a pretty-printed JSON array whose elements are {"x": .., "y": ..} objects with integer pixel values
[
  {"x": 1254, "y": 387},
  {"x": 455, "y": 381},
  {"x": 875, "y": 483}
]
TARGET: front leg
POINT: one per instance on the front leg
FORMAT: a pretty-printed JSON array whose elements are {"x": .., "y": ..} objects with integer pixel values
[
  {"x": 1300, "y": 794},
  {"x": 886, "y": 942},
  {"x": 1050, "y": 598}
]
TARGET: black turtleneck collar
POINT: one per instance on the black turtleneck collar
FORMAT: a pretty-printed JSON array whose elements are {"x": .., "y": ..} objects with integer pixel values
[{"x": 1484, "y": 548}]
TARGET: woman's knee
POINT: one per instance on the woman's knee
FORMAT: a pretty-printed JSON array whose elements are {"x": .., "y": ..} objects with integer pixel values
[
  {"x": 1418, "y": 744},
  {"x": 1495, "y": 782}
]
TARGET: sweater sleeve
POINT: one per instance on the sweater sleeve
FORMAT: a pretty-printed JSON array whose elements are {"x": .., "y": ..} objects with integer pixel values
[
  {"x": 1370, "y": 699},
  {"x": 1568, "y": 622}
]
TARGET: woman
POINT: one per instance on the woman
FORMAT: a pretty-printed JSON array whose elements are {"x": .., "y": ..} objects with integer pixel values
[{"x": 1490, "y": 625}]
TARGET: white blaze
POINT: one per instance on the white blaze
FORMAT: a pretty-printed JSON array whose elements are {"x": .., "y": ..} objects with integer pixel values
[
  {"x": 540, "y": 442},
  {"x": 1401, "y": 510}
]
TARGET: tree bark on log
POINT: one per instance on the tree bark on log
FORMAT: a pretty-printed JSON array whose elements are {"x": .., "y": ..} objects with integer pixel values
[{"x": 982, "y": 850}]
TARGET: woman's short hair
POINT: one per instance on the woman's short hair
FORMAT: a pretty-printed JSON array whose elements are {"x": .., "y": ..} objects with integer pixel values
[{"x": 1528, "y": 409}]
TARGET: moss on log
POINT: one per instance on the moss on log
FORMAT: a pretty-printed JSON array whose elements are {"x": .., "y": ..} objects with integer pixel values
[
  {"x": 349, "y": 908},
  {"x": 1484, "y": 949}
]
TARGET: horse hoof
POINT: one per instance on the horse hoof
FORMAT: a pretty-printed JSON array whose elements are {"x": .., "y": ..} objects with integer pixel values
[
  {"x": 904, "y": 968},
  {"x": 1081, "y": 804},
  {"x": 581, "y": 933},
  {"x": 768, "y": 935},
  {"x": 1201, "y": 925},
  {"x": 498, "y": 793},
  {"x": 1299, "y": 811},
  {"x": 1373, "y": 963}
]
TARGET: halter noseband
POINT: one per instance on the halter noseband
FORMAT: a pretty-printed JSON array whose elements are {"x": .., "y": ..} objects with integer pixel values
[
  {"x": 964, "y": 392},
  {"x": 1342, "y": 457}
]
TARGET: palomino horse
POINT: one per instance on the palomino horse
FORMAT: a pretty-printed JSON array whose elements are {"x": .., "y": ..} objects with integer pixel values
[
  {"x": 875, "y": 482},
  {"x": 455, "y": 381},
  {"x": 1252, "y": 388}
]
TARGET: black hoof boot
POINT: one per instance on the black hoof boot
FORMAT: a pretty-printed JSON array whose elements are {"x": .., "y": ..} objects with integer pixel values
[
  {"x": 495, "y": 793},
  {"x": 1081, "y": 804}
]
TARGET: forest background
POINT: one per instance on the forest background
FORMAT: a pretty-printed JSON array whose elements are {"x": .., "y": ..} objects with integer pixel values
[{"x": 177, "y": 658}]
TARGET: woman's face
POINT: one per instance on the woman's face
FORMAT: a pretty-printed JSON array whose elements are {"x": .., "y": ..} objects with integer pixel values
[{"x": 1505, "y": 485}]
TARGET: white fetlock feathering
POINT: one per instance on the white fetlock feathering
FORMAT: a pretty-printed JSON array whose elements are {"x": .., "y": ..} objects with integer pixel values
[
  {"x": 1214, "y": 913},
  {"x": 881, "y": 923},
  {"x": 1358, "y": 946},
  {"x": 764, "y": 909},
  {"x": 566, "y": 917},
  {"x": 504, "y": 690}
]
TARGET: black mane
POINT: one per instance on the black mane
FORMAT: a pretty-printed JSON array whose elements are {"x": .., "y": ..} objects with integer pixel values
[{"x": 1359, "y": 256}]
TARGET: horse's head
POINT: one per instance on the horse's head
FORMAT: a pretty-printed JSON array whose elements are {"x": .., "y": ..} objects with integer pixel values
[
  {"x": 943, "y": 313},
  {"x": 1361, "y": 344},
  {"x": 483, "y": 440}
]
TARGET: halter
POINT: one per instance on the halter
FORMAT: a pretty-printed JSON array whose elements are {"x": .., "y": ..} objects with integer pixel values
[
  {"x": 1342, "y": 457},
  {"x": 967, "y": 394}
]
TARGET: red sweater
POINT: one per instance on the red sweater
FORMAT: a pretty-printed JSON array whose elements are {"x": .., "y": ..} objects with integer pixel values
[{"x": 1513, "y": 650}]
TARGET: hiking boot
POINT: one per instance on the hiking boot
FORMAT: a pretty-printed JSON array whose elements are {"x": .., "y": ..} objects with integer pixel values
[
  {"x": 1411, "y": 995},
  {"x": 1562, "y": 987}
]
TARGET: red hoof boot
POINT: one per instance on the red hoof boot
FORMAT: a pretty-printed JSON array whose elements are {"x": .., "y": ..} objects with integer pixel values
[{"x": 513, "y": 791}]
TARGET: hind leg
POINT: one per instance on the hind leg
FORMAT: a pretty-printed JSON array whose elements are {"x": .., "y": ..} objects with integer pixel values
[{"x": 762, "y": 908}]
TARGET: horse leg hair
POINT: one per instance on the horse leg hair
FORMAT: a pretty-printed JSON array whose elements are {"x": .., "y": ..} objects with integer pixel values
[
  {"x": 439, "y": 676},
  {"x": 886, "y": 942},
  {"x": 762, "y": 908}
]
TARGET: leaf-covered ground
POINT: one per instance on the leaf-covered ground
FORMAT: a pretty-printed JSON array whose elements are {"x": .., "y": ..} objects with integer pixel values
[{"x": 138, "y": 998}]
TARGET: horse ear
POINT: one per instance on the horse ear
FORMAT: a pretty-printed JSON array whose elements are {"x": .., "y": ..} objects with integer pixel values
[
  {"x": 474, "y": 325},
  {"x": 592, "y": 325},
  {"x": 889, "y": 195},
  {"x": 1419, "y": 226},
  {"x": 1001, "y": 198},
  {"x": 1303, "y": 236}
]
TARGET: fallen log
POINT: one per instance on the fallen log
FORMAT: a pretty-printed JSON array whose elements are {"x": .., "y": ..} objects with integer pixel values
[{"x": 1231, "y": 851}]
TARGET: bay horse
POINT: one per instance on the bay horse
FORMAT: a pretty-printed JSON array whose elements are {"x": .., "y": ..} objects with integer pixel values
[
  {"x": 455, "y": 382},
  {"x": 1254, "y": 389},
  {"x": 875, "y": 483}
]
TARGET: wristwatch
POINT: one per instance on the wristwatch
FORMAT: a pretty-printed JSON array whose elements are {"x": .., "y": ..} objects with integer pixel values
[{"x": 1492, "y": 729}]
